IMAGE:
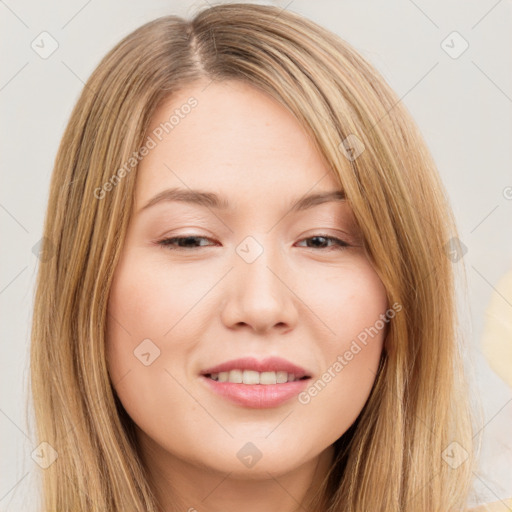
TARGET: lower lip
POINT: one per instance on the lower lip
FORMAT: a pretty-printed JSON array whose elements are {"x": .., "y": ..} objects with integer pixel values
[{"x": 257, "y": 396}]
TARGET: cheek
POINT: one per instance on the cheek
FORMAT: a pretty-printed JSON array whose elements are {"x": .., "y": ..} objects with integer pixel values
[
  {"x": 352, "y": 305},
  {"x": 346, "y": 299},
  {"x": 149, "y": 301},
  {"x": 145, "y": 303}
]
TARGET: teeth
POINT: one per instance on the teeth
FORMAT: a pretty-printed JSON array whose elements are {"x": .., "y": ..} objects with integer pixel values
[
  {"x": 253, "y": 377},
  {"x": 235, "y": 376},
  {"x": 281, "y": 377},
  {"x": 250, "y": 377},
  {"x": 268, "y": 378}
]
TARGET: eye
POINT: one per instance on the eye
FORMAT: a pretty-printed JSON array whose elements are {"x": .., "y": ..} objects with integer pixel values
[
  {"x": 321, "y": 240},
  {"x": 182, "y": 242}
]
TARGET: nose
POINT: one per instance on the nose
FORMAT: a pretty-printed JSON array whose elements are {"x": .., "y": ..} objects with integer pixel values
[{"x": 259, "y": 295}]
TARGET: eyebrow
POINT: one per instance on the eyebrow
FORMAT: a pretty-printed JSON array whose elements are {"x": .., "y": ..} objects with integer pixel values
[{"x": 212, "y": 200}]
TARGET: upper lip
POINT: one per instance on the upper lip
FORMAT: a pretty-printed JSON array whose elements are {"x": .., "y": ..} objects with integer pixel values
[{"x": 270, "y": 364}]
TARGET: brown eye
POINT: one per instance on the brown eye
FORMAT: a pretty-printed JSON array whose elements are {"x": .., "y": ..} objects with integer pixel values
[
  {"x": 320, "y": 241},
  {"x": 182, "y": 242}
]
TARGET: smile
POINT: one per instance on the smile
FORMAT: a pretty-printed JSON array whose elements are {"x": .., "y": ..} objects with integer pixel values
[
  {"x": 256, "y": 383},
  {"x": 252, "y": 377}
]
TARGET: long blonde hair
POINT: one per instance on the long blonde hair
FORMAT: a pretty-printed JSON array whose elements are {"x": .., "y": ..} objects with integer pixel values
[{"x": 394, "y": 457}]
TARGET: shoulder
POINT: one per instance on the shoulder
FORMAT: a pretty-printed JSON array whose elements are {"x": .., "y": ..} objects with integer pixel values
[{"x": 495, "y": 506}]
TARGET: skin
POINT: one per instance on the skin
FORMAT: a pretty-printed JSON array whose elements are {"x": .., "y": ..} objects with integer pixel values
[{"x": 302, "y": 299}]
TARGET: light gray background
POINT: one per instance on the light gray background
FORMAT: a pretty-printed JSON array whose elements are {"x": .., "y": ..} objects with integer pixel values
[{"x": 463, "y": 106}]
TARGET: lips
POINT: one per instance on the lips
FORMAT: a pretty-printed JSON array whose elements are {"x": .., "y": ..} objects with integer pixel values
[{"x": 257, "y": 391}]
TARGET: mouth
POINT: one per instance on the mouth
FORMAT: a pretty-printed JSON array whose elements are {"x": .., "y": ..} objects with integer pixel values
[
  {"x": 256, "y": 384},
  {"x": 249, "y": 370},
  {"x": 252, "y": 377}
]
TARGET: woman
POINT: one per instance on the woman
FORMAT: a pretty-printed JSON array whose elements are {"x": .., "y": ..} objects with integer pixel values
[{"x": 251, "y": 300}]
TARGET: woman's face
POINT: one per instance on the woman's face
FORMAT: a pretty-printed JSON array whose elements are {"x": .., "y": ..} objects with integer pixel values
[{"x": 255, "y": 276}]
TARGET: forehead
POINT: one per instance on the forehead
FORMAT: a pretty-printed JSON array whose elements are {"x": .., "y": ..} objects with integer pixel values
[{"x": 237, "y": 140}]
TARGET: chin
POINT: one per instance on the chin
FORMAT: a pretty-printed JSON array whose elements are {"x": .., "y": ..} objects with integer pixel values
[{"x": 240, "y": 466}]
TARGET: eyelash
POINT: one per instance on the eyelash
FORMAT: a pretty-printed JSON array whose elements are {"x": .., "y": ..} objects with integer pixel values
[{"x": 167, "y": 242}]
